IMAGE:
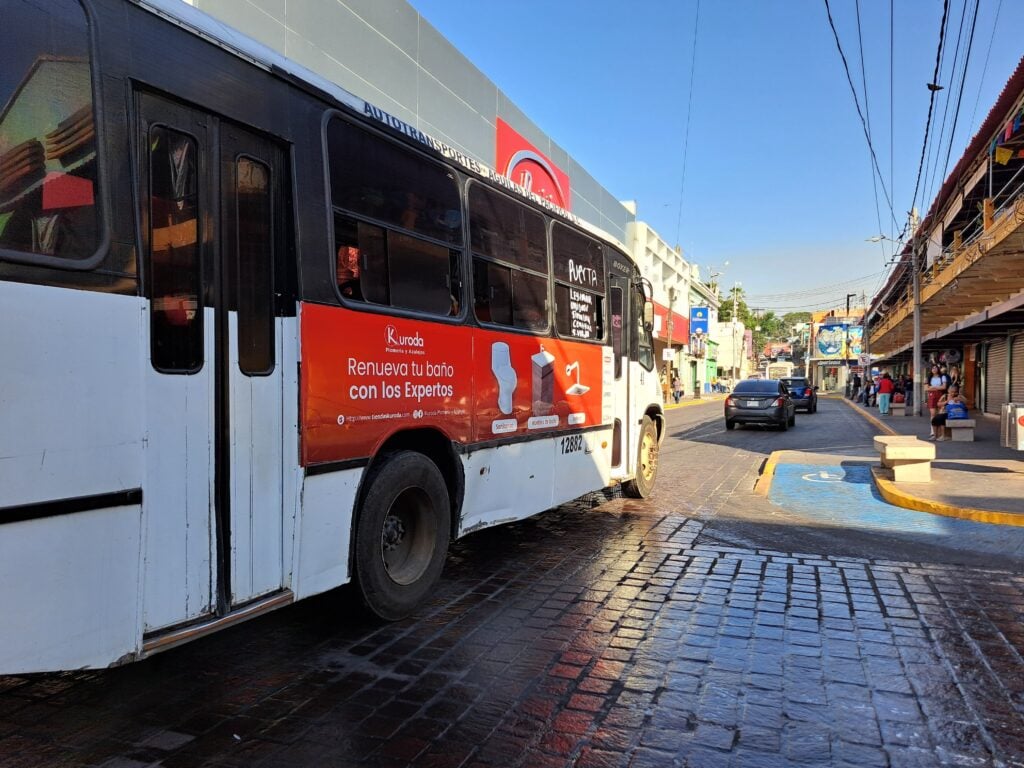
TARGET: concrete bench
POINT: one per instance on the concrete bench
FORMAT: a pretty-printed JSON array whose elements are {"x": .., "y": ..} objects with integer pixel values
[
  {"x": 898, "y": 409},
  {"x": 961, "y": 430},
  {"x": 909, "y": 459}
]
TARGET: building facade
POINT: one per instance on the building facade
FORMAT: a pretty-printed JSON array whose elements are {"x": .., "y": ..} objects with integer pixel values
[{"x": 966, "y": 262}]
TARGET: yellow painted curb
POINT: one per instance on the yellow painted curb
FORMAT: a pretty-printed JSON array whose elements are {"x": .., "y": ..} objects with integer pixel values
[
  {"x": 894, "y": 495},
  {"x": 764, "y": 481},
  {"x": 877, "y": 422}
]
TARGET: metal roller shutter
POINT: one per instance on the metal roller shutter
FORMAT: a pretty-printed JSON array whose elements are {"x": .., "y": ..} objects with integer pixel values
[
  {"x": 995, "y": 377},
  {"x": 1017, "y": 370}
]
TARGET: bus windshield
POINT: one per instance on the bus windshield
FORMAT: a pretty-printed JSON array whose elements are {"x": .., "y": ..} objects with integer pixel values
[{"x": 48, "y": 200}]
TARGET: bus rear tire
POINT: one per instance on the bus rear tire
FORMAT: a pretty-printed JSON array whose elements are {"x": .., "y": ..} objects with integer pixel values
[
  {"x": 402, "y": 534},
  {"x": 642, "y": 484}
]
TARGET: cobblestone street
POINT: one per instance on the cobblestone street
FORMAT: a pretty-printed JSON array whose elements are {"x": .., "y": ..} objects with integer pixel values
[{"x": 610, "y": 632}]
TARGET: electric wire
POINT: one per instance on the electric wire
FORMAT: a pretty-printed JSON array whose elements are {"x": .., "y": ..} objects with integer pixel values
[
  {"x": 960, "y": 95},
  {"x": 867, "y": 112},
  {"x": 931, "y": 100},
  {"x": 689, "y": 108},
  {"x": 892, "y": 110},
  {"x": 984, "y": 69},
  {"x": 856, "y": 103},
  {"x": 811, "y": 291},
  {"x": 932, "y": 166}
]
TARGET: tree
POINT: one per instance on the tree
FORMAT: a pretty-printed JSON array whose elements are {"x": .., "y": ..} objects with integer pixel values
[
  {"x": 725, "y": 309},
  {"x": 793, "y": 318}
]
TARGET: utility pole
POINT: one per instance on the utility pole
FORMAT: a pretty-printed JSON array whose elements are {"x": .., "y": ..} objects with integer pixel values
[
  {"x": 735, "y": 349},
  {"x": 915, "y": 257},
  {"x": 846, "y": 351}
]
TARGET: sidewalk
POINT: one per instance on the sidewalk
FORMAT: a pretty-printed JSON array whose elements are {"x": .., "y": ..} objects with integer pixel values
[
  {"x": 712, "y": 397},
  {"x": 979, "y": 476}
]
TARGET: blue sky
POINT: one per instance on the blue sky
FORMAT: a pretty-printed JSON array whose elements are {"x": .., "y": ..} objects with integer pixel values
[{"x": 778, "y": 178}]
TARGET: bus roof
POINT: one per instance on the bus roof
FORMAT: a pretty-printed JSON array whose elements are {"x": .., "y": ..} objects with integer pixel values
[{"x": 219, "y": 33}]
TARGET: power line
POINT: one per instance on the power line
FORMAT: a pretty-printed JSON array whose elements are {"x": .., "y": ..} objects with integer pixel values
[
  {"x": 867, "y": 110},
  {"x": 932, "y": 169},
  {"x": 984, "y": 69},
  {"x": 931, "y": 99},
  {"x": 812, "y": 291},
  {"x": 892, "y": 110},
  {"x": 689, "y": 106},
  {"x": 856, "y": 103},
  {"x": 963, "y": 82}
]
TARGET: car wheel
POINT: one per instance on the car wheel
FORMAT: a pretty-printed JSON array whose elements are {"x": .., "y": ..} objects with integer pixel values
[
  {"x": 784, "y": 424},
  {"x": 402, "y": 534},
  {"x": 647, "y": 462},
  {"x": 730, "y": 424},
  {"x": 814, "y": 408}
]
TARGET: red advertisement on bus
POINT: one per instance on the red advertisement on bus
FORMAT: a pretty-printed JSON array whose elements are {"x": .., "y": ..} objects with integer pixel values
[{"x": 365, "y": 376}]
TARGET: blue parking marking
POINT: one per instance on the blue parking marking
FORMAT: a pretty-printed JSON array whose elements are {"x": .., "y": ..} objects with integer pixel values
[{"x": 845, "y": 495}]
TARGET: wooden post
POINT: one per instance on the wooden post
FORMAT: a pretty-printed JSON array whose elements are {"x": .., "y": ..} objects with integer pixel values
[
  {"x": 958, "y": 240},
  {"x": 989, "y": 214}
]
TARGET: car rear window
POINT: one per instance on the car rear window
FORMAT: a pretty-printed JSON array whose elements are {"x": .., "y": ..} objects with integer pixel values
[
  {"x": 762, "y": 386},
  {"x": 795, "y": 382}
]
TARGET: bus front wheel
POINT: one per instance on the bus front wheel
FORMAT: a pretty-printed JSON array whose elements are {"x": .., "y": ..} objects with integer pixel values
[
  {"x": 642, "y": 484},
  {"x": 402, "y": 534}
]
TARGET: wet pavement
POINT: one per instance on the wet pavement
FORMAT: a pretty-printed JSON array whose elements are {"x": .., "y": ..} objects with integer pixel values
[{"x": 609, "y": 632}]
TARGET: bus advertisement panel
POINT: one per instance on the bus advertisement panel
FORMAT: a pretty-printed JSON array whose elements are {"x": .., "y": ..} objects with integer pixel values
[{"x": 475, "y": 385}]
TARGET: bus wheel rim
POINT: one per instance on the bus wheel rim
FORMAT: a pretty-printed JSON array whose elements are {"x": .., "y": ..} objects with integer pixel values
[
  {"x": 648, "y": 457},
  {"x": 408, "y": 536}
]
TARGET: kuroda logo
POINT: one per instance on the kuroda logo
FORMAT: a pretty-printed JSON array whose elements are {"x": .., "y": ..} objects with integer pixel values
[{"x": 395, "y": 339}]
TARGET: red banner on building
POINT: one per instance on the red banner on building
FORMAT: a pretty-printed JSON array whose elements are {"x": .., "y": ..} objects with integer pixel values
[
  {"x": 680, "y": 326},
  {"x": 522, "y": 162}
]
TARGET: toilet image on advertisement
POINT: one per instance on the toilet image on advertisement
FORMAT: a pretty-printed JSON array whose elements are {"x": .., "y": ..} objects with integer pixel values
[
  {"x": 505, "y": 374},
  {"x": 543, "y": 369}
]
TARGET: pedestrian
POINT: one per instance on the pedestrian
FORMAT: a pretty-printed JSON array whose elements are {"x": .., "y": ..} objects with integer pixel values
[
  {"x": 677, "y": 386},
  {"x": 936, "y": 389},
  {"x": 869, "y": 391},
  {"x": 856, "y": 386},
  {"x": 665, "y": 387},
  {"x": 950, "y": 406},
  {"x": 885, "y": 390},
  {"x": 908, "y": 390},
  {"x": 955, "y": 378}
]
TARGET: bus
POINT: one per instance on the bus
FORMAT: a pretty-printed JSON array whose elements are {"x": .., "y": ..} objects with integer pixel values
[
  {"x": 778, "y": 369},
  {"x": 262, "y": 338}
]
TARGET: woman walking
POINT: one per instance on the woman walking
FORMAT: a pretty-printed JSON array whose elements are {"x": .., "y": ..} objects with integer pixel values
[{"x": 936, "y": 389}]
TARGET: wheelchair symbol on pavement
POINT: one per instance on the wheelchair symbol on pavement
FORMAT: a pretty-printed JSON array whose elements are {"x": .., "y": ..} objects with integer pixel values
[{"x": 823, "y": 477}]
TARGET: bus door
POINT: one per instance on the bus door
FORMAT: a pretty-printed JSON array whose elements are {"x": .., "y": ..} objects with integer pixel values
[
  {"x": 211, "y": 213},
  {"x": 619, "y": 308}
]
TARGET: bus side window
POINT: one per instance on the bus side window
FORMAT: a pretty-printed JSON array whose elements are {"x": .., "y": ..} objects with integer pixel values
[
  {"x": 176, "y": 319},
  {"x": 510, "y": 261},
  {"x": 618, "y": 348},
  {"x": 397, "y": 224}
]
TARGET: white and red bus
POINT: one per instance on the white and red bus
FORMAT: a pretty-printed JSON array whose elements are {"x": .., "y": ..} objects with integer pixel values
[{"x": 261, "y": 339}]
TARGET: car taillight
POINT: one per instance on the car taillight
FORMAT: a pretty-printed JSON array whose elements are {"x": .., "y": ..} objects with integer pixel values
[
  {"x": 730, "y": 402},
  {"x": 780, "y": 402}
]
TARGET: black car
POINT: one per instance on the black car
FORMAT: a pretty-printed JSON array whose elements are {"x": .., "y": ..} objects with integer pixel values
[
  {"x": 805, "y": 397},
  {"x": 760, "y": 401}
]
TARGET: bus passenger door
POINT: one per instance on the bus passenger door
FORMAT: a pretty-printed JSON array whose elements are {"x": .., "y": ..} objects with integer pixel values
[
  {"x": 253, "y": 181},
  {"x": 212, "y": 203},
  {"x": 253, "y": 229},
  {"x": 177, "y": 210},
  {"x": 619, "y": 299}
]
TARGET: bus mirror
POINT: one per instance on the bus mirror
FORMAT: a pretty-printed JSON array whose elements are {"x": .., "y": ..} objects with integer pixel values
[{"x": 649, "y": 315}]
